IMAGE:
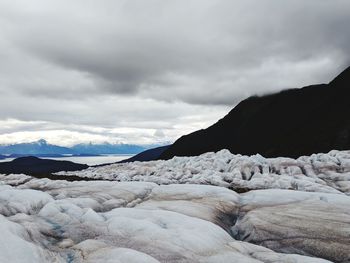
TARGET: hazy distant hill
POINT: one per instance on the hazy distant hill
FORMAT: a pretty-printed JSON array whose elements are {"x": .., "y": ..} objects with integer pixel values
[
  {"x": 290, "y": 123},
  {"x": 34, "y": 148},
  {"x": 42, "y": 148},
  {"x": 108, "y": 148}
]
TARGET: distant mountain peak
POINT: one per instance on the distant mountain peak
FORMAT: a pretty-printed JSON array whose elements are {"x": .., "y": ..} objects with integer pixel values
[{"x": 42, "y": 142}]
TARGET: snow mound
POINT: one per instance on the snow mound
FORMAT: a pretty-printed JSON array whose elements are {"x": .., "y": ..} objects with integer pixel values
[{"x": 106, "y": 221}]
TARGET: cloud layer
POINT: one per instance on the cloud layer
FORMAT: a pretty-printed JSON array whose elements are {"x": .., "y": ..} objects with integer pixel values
[{"x": 157, "y": 67}]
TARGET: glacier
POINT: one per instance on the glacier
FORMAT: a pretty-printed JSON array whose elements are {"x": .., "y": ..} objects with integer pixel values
[
  {"x": 328, "y": 173},
  {"x": 216, "y": 207}
]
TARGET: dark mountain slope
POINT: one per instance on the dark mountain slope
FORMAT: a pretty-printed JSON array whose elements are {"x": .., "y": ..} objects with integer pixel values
[
  {"x": 290, "y": 123},
  {"x": 34, "y": 166},
  {"x": 148, "y": 155}
]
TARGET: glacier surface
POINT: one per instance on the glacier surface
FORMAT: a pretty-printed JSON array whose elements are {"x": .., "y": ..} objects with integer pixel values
[
  {"x": 216, "y": 207},
  {"x": 328, "y": 173}
]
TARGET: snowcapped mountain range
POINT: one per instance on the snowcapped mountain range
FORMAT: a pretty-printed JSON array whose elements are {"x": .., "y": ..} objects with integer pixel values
[{"x": 43, "y": 148}]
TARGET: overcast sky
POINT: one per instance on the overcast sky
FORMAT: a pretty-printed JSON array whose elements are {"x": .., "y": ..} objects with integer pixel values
[{"x": 148, "y": 71}]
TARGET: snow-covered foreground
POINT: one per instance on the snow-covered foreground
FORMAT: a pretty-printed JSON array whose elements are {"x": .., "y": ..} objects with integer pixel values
[{"x": 107, "y": 221}]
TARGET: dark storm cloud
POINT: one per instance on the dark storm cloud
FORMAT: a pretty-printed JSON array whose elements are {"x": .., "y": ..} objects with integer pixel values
[
  {"x": 153, "y": 63},
  {"x": 127, "y": 47}
]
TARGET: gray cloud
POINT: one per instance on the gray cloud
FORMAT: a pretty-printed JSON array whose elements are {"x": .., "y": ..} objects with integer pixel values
[{"x": 153, "y": 64}]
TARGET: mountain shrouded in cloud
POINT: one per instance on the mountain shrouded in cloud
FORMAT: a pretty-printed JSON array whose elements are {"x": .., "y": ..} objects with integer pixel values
[
  {"x": 290, "y": 123},
  {"x": 147, "y": 72}
]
